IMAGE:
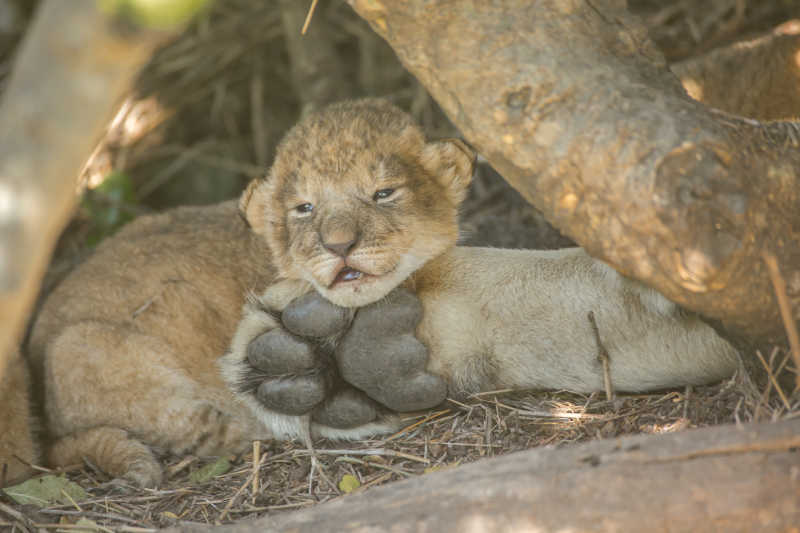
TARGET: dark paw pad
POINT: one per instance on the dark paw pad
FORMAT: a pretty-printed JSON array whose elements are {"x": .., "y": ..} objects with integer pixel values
[
  {"x": 278, "y": 353},
  {"x": 292, "y": 396},
  {"x": 422, "y": 391},
  {"x": 347, "y": 408},
  {"x": 381, "y": 356},
  {"x": 313, "y": 316},
  {"x": 291, "y": 366}
]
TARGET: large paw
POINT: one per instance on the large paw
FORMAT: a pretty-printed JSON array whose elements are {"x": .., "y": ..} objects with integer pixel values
[
  {"x": 280, "y": 361},
  {"x": 381, "y": 356},
  {"x": 296, "y": 354},
  {"x": 290, "y": 358}
]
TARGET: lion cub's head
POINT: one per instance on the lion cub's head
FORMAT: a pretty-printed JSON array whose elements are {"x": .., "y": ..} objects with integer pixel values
[{"x": 357, "y": 200}]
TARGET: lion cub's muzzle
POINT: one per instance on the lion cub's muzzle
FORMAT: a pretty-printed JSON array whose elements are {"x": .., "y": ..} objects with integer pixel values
[{"x": 341, "y": 242}]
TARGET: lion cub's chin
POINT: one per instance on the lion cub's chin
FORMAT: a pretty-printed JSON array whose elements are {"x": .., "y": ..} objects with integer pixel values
[{"x": 367, "y": 288}]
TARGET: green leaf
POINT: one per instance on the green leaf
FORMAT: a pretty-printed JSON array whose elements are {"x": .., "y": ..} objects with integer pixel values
[
  {"x": 46, "y": 490},
  {"x": 349, "y": 483},
  {"x": 108, "y": 206},
  {"x": 117, "y": 186},
  {"x": 210, "y": 471}
]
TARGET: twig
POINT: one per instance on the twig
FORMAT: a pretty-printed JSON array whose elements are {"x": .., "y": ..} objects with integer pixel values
[
  {"x": 779, "y": 284},
  {"x": 375, "y": 451},
  {"x": 10, "y": 511},
  {"x": 415, "y": 425},
  {"x": 397, "y": 471},
  {"x": 486, "y": 393},
  {"x": 687, "y": 395},
  {"x": 81, "y": 527},
  {"x": 174, "y": 469},
  {"x": 247, "y": 482},
  {"x": 309, "y": 16},
  {"x": 72, "y": 501},
  {"x": 602, "y": 356},
  {"x": 256, "y": 465},
  {"x": 544, "y": 413},
  {"x": 377, "y": 481},
  {"x": 91, "y": 514},
  {"x": 774, "y": 381}
]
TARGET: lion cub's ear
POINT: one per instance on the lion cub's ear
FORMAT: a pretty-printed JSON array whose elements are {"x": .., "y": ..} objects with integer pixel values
[
  {"x": 452, "y": 162},
  {"x": 252, "y": 204}
]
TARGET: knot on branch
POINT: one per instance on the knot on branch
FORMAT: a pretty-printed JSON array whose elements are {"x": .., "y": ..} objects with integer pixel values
[{"x": 704, "y": 207}]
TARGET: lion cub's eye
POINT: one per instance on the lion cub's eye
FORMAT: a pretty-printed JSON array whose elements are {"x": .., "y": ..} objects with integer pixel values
[
  {"x": 382, "y": 194},
  {"x": 304, "y": 209}
]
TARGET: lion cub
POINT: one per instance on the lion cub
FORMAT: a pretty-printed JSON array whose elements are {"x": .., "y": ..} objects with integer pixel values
[
  {"x": 350, "y": 242},
  {"x": 356, "y": 204}
]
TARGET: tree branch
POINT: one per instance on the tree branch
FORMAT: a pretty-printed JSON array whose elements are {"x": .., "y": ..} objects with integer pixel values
[
  {"x": 71, "y": 70},
  {"x": 571, "y": 102},
  {"x": 726, "y": 478}
]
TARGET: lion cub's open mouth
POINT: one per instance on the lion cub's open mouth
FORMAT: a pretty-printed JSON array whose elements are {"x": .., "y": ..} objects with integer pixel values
[{"x": 347, "y": 274}]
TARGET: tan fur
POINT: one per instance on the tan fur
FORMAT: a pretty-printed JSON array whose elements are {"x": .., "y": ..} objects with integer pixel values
[
  {"x": 18, "y": 449},
  {"x": 129, "y": 343},
  {"x": 492, "y": 318}
]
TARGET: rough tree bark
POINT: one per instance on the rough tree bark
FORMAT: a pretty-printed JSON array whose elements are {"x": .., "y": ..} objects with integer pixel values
[
  {"x": 725, "y": 478},
  {"x": 72, "y": 69},
  {"x": 573, "y": 105}
]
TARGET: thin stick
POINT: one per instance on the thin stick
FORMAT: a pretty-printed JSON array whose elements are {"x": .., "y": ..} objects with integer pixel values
[
  {"x": 308, "y": 17},
  {"x": 73, "y": 502},
  {"x": 687, "y": 394},
  {"x": 186, "y": 461},
  {"x": 417, "y": 424},
  {"x": 248, "y": 481},
  {"x": 488, "y": 393},
  {"x": 353, "y": 460},
  {"x": 779, "y": 284},
  {"x": 774, "y": 381},
  {"x": 372, "y": 452},
  {"x": 602, "y": 356},
  {"x": 16, "y": 515},
  {"x": 256, "y": 464},
  {"x": 81, "y": 527}
]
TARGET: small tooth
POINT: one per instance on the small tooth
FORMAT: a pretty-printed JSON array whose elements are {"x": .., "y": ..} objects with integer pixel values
[{"x": 351, "y": 275}]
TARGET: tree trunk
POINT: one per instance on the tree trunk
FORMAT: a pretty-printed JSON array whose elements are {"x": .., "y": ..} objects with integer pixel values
[
  {"x": 725, "y": 478},
  {"x": 73, "y": 67},
  {"x": 572, "y": 104}
]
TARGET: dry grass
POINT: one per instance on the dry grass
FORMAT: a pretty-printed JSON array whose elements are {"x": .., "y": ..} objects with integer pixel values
[
  {"x": 205, "y": 118},
  {"x": 489, "y": 424}
]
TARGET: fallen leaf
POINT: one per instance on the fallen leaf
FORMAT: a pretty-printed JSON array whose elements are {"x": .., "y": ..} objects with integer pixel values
[
  {"x": 46, "y": 490},
  {"x": 348, "y": 483},
  {"x": 210, "y": 471}
]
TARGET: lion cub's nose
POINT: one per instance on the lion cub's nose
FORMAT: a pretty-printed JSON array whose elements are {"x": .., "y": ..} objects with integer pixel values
[{"x": 340, "y": 248}]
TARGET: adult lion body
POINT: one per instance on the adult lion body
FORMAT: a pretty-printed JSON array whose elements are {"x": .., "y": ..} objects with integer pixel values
[{"x": 356, "y": 204}]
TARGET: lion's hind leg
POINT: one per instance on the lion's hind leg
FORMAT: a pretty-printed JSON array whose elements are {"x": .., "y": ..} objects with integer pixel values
[
  {"x": 113, "y": 451},
  {"x": 114, "y": 394}
]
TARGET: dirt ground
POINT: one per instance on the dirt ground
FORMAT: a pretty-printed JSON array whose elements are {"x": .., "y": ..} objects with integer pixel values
[{"x": 205, "y": 117}]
